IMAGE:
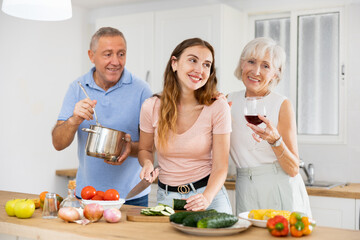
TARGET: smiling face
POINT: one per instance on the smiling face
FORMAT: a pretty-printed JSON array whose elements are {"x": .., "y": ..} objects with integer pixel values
[
  {"x": 109, "y": 58},
  {"x": 257, "y": 73},
  {"x": 193, "y": 67}
]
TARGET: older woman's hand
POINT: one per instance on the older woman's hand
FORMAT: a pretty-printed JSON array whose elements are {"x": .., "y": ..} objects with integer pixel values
[
  {"x": 196, "y": 203},
  {"x": 269, "y": 133}
]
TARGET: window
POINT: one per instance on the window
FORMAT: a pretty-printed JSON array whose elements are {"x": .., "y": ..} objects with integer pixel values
[{"x": 314, "y": 78}]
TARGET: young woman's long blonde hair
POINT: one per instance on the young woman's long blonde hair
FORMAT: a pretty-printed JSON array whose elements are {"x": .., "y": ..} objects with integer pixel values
[{"x": 171, "y": 91}]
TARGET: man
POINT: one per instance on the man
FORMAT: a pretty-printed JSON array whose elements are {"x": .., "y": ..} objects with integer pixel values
[{"x": 117, "y": 96}]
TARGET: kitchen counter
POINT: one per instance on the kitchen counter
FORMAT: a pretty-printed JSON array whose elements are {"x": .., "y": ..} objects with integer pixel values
[
  {"x": 38, "y": 228},
  {"x": 351, "y": 190}
]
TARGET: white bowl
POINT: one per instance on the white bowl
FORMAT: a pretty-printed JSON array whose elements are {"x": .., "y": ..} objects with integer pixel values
[
  {"x": 255, "y": 222},
  {"x": 105, "y": 204}
]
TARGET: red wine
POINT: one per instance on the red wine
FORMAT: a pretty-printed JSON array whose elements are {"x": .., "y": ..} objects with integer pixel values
[{"x": 253, "y": 119}]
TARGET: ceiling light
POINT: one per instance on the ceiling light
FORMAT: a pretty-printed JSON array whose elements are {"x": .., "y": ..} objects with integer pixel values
[{"x": 42, "y": 10}]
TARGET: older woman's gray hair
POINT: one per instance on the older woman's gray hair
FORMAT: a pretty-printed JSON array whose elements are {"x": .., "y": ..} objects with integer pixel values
[{"x": 258, "y": 48}]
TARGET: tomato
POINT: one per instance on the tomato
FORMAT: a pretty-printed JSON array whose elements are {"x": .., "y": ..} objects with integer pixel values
[
  {"x": 97, "y": 197},
  {"x": 100, "y": 193},
  {"x": 42, "y": 198},
  {"x": 88, "y": 192},
  {"x": 111, "y": 195}
]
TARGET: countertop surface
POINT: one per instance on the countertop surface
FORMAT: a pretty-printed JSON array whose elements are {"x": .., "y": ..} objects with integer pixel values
[
  {"x": 38, "y": 228},
  {"x": 351, "y": 190}
]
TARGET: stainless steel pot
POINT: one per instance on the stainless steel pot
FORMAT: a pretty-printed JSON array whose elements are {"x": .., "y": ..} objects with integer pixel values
[{"x": 105, "y": 143}]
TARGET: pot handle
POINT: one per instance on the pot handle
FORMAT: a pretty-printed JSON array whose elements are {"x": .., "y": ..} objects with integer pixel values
[{"x": 88, "y": 130}]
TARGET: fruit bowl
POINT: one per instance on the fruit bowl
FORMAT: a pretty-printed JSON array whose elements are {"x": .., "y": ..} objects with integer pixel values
[{"x": 106, "y": 204}]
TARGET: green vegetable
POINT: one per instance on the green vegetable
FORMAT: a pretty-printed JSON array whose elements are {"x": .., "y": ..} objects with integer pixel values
[
  {"x": 178, "y": 204},
  {"x": 159, "y": 210},
  {"x": 219, "y": 220},
  {"x": 192, "y": 219},
  {"x": 179, "y": 217}
]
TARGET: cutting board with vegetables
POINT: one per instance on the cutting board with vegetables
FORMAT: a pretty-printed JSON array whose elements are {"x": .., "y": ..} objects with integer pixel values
[{"x": 134, "y": 215}]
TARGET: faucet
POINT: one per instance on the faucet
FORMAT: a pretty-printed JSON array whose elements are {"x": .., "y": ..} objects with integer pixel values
[{"x": 309, "y": 171}]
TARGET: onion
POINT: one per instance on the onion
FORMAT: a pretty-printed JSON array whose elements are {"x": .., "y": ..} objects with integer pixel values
[
  {"x": 93, "y": 212},
  {"x": 112, "y": 215},
  {"x": 69, "y": 214}
]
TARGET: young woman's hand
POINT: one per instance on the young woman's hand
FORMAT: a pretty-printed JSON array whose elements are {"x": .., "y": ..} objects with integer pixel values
[{"x": 196, "y": 203}]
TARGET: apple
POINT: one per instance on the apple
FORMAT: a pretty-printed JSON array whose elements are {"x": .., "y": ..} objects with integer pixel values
[
  {"x": 24, "y": 208},
  {"x": 9, "y": 207}
]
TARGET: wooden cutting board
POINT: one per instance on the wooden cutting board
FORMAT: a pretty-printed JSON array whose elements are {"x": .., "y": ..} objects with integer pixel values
[{"x": 134, "y": 215}]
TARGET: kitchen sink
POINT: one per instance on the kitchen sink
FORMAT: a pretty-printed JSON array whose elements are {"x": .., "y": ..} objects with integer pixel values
[{"x": 323, "y": 184}]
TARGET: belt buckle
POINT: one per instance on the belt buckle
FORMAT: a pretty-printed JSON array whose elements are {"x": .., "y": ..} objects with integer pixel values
[{"x": 183, "y": 189}]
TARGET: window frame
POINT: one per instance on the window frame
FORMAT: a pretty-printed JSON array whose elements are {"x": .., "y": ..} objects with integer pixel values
[{"x": 293, "y": 15}]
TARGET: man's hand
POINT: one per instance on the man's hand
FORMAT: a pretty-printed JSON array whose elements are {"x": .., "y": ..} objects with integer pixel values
[
  {"x": 83, "y": 110},
  {"x": 125, "y": 153}
]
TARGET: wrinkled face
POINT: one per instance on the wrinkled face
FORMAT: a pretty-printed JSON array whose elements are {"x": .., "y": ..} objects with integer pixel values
[
  {"x": 193, "y": 67},
  {"x": 257, "y": 73},
  {"x": 109, "y": 58}
]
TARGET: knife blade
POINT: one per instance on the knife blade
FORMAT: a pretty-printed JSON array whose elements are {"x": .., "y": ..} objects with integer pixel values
[{"x": 141, "y": 186}]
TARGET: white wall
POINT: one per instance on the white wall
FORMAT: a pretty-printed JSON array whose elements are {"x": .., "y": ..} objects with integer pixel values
[{"x": 38, "y": 60}]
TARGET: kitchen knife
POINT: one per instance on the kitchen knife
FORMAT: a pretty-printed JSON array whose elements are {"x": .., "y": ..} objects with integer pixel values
[{"x": 141, "y": 186}]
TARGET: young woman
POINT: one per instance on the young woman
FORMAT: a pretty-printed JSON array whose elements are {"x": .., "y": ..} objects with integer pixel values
[
  {"x": 266, "y": 155},
  {"x": 189, "y": 130}
]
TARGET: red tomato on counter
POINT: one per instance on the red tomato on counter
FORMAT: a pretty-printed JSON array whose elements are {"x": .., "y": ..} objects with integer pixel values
[
  {"x": 111, "y": 195},
  {"x": 88, "y": 192}
]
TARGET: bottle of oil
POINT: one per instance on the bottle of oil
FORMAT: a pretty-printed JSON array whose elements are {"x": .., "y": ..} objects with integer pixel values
[{"x": 71, "y": 200}]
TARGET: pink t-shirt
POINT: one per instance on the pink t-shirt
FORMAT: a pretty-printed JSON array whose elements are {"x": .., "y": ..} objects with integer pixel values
[{"x": 188, "y": 156}]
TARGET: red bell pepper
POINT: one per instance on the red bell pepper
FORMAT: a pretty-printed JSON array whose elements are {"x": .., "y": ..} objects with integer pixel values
[
  {"x": 278, "y": 226},
  {"x": 300, "y": 224}
]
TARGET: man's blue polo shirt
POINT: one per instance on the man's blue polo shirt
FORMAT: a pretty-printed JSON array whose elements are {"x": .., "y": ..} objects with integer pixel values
[{"x": 118, "y": 108}]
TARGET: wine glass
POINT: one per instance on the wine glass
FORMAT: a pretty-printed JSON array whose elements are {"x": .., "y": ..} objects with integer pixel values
[{"x": 254, "y": 106}]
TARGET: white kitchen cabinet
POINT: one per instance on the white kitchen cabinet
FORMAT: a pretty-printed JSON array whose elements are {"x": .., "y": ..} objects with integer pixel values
[
  {"x": 151, "y": 37},
  {"x": 334, "y": 212},
  {"x": 138, "y": 30}
]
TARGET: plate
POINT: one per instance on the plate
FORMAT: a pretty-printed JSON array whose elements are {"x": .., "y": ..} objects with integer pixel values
[
  {"x": 255, "y": 222},
  {"x": 106, "y": 204},
  {"x": 240, "y": 226}
]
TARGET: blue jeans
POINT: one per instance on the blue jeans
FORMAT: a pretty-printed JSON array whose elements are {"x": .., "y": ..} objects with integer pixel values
[
  {"x": 141, "y": 201},
  {"x": 220, "y": 203}
]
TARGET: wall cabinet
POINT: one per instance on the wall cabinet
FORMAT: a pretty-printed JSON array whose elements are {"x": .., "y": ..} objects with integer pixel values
[
  {"x": 151, "y": 37},
  {"x": 335, "y": 212}
]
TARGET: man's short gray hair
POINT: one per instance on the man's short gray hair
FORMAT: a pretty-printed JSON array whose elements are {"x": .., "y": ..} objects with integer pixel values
[{"x": 104, "y": 32}]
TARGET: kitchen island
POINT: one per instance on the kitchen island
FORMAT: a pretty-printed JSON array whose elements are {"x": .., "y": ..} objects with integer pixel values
[{"x": 38, "y": 228}]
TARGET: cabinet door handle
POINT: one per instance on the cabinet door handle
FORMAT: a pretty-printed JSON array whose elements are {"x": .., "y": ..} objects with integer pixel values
[{"x": 147, "y": 76}]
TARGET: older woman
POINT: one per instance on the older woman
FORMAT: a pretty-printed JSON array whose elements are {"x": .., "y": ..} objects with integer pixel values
[
  {"x": 190, "y": 131},
  {"x": 266, "y": 155}
]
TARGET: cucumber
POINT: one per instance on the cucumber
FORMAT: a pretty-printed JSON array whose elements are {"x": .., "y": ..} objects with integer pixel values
[
  {"x": 159, "y": 210},
  {"x": 179, "y": 217},
  {"x": 178, "y": 204},
  {"x": 219, "y": 220},
  {"x": 192, "y": 219}
]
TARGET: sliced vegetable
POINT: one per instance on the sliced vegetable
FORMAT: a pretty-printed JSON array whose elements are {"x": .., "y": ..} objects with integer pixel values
[
  {"x": 178, "y": 204},
  {"x": 159, "y": 210},
  {"x": 219, "y": 220}
]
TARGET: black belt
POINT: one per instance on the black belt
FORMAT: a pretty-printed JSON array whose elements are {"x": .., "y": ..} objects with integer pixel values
[{"x": 186, "y": 188}]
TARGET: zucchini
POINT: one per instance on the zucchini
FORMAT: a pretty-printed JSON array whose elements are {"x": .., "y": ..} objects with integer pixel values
[
  {"x": 192, "y": 219},
  {"x": 219, "y": 220},
  {"x": 178, "y": 204}
]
